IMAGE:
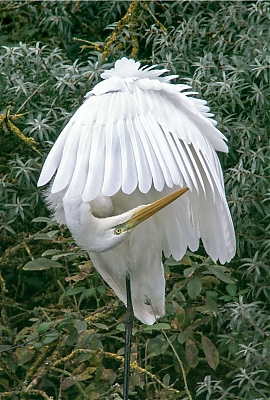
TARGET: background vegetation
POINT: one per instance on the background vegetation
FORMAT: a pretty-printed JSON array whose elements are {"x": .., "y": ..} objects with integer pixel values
[{"x": 61, "y": 326}]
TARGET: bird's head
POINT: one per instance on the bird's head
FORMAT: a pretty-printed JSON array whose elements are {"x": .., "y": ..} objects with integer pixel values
[{"x": 121, "y": 226}]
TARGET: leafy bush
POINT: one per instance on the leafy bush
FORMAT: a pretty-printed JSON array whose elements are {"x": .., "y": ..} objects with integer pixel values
[{"x": 61, "y": 326}]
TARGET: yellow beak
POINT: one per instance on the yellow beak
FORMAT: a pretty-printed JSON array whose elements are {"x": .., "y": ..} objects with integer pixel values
[{"x": 147, "y": 211}]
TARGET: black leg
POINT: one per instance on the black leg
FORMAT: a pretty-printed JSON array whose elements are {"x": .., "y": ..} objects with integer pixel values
[{"x": 128, "y": 327}]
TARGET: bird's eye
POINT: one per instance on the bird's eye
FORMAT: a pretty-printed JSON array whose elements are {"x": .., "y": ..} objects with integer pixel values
[{"x": 118, "y": 231}]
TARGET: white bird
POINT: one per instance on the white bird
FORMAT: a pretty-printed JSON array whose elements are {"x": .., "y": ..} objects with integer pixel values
[{"x": 135, "y": 139}]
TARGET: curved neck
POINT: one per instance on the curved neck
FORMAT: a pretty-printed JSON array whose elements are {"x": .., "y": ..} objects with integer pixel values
[{"x": 92, "y": 233}]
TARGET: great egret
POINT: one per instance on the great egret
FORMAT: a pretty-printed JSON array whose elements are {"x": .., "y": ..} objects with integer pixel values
[{"x": 136, "y": 139}]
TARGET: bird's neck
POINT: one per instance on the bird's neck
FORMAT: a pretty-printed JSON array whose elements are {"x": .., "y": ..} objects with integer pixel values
[{"x": 92, "y": 233}]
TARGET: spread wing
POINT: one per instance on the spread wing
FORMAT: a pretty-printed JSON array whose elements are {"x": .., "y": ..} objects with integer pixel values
[
  {"x": 145, "y": 133},
  {"x": 148, "y": 132}
]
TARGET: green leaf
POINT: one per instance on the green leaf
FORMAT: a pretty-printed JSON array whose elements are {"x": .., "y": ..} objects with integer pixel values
[
  {"x": 154, "y": 347},
  {"x": 88, "y": 293},
  {"x": 43, "y": 327},
  {"x": 211, "y": 352},
  {"x": 101, "y": 289},
  {"x": 52, "y": 234},
  {"x": 183, "y": 336},
  {"x": 231, "y": 289},
  {"x": 189, "y": 271},
  {"x": 40, "y": 264},
  {"x": 95, "y": 344},
  {"x": 166, "y": 380},
  {"x": 180, "y": 315},
  {"x": 167, "y": 270},
  {"x": 233, "y": 348},
  {"x": 171, "y": 262},
  {"x": 194, "y": 288},
  {"x": 50, "y": 337},
  {"x": 120, "y": 327},
  {"x": 191, "y": 353},
  {"x": 81, "y": 326},
  {"x": 72, "y": 338},
  {"x": 38, "y": 346},
  {"x": 99, "y": 325},
  {"x": 199, "y": 322},
  {"x": 44, "y": 219},
  {"x": 46, "y": 236},
  {"x": 64, "y": 324},
  {"x": 73, "y": 291},
  {"x": 211, "y": 304},
  {"x": 50, "y": 252},
  {"x": 186, "y": 260},
  {"x": 190, "y": 314},
  {"x": 157, "y": 327},
  {"x": 217, "y": 271}
]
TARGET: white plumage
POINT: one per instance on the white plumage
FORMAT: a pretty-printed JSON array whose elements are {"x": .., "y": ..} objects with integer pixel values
[{"x": 135, "y": 139}]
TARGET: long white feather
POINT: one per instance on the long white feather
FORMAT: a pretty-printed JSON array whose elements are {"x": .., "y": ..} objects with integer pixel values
[
  {"x": 80, "y": 174},
  {"x": 142, "y": 165},
  {"x": 53, "y": 160},
  {"x": 68, "y": 160}
]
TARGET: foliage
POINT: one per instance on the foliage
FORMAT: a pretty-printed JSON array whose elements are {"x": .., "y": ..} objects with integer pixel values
[{"x": 61, "y": 326}]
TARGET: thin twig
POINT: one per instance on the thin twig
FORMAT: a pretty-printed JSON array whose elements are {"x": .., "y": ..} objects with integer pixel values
[
  {"x": 180, "y": 363},
  {"x": 28, "y": 98},
  {"x": 161, "y": 26}
]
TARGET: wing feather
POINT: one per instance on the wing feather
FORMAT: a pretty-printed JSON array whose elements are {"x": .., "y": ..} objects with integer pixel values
[
  {"x": 68, "y": 160},
  {"x": 80, "y": 173},
  {"x": 190, "y": 177},
  {"x": 53, "y": 160},
  {"x": 96, "y": 167},
  {"x": 152, "y": 135},
  {"x": 142, "y": 165},
  {"x": 113, "y": 179},
  {"x": 160, "y": 116},
  {"x": 157, "y": 175},
  {"x": 192, "y": 162},
  {"x": 167, "y": 149},
  {"x": 129, "y": 173},
  {"x": 111, "y": 161}
]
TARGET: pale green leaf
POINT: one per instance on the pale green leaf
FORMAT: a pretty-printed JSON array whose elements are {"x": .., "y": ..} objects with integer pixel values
[
  {"x": 40, "y": 264},
  {"x": 193, "y": 288}
]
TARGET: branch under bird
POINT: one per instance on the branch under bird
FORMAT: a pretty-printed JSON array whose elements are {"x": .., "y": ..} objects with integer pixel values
[{"x": 136, "y": 140}]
